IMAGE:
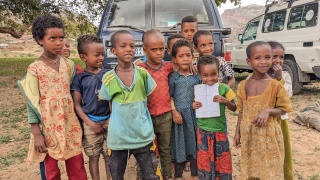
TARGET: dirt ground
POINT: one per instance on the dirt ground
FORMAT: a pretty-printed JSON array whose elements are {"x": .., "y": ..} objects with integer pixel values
[{"x": 14, "y": 137}]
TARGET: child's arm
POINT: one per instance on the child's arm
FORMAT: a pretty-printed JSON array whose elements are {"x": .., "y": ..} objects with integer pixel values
[
  {"x": 176, "y": 116},
  {"x": 78, "y": 109},
  {"x": 236, "y": 140},
  {"x": 230, "y": 104},
  {"x": 40, "y": 142},
  {"x": 106, "y": 124},
  {"x": 231, "y": 82},
  {"x": 262, "y": 117}
]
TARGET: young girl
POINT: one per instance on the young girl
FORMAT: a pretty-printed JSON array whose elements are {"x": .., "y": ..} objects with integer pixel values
[
  {"x": 283, "y": 76},
  {"x": 213, "y": 152},
  {"x": 56, "y": 132},
  {"x": 183, "y": 134},
  {"x": 261, "y": 100},
  {"x": 65, "y": 52}
]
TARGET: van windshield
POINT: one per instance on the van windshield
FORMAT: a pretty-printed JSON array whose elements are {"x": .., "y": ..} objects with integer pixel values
[{"x": 166, "y": 13}]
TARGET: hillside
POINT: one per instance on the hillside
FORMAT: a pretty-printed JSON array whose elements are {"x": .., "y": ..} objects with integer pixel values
[{"x": 237, "y": 18}]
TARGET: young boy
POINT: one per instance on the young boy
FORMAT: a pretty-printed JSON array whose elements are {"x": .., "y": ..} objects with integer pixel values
[
  {"x": 189, "y": 26},
  {"x": 159, "y": 101},
  {"x": 65, "y": 52},
  {"x": 171, "y": 40},
  {"x": 203, "y": 43},
  {"x": 93, "y": 112},
  {"x": 130, "y": 128}
]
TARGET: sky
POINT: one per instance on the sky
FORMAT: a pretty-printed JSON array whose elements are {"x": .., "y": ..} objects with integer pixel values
[{"x": 230, "y": 5}]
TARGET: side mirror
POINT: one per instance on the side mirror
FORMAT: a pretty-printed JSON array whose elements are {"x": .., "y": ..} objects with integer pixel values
[{"x": 239, "y": 37}]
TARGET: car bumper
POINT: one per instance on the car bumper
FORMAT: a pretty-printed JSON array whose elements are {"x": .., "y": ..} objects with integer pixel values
[{"x": 316, "y": 70}]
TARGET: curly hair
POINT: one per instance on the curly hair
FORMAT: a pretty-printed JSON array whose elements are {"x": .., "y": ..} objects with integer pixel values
[
  {"x": 181, "y": 43},
  {"x": 114, "y": 36},
  {"x": 205, "y": 60},
  {"x": 200, "y": 33},
  {"x": 84, "y": 40},
  {"x": 174, "y": 36},
  {"x": 41, "y": 23}
]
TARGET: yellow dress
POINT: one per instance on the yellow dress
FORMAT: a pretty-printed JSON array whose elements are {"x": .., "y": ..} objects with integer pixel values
[
  {"x": 262, "y": 149},
  {"x": 47, "y": 91}
]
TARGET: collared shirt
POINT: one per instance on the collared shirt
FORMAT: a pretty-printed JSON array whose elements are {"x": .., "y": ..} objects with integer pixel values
[{"x": 159, "y": 101}]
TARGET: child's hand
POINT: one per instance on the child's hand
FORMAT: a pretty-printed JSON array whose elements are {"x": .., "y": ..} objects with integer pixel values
[
  {"x": 236, "y": 141},
  {"x": 196, "y": 105},
  {"x": 277, "y": 69},
  {"x": 261, "y": 119},
  {"x": 40, "y": 143},
  {"x": 105, "y": 125},
  {"x": 96, "y": 128},
  {"x": 177, "y": 118},
  {"x": 220, "y": 99}
]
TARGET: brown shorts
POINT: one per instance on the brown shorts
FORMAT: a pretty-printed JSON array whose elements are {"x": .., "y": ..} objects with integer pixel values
[{"x": 94, "y": 144}]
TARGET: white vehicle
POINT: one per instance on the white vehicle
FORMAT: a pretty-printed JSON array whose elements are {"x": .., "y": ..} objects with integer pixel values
[{"x": 295, "y": 25}]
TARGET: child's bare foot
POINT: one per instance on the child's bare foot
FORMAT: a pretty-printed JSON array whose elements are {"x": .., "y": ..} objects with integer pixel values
[{"x": 187, "y": 167}]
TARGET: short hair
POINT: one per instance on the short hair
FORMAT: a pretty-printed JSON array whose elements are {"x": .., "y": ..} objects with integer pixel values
[
  {"x": 205, "y": 60},
  {"x": 253, "y": 45},
  {"x": 84, "y": 40},
  {"x": 114, "y": 36},
  {"x": 41, "y": 23},
  {"x": 275, "y": 45},
  {"x": 174, "y": 36},
  {"x": 189, "y": 19},
  {"x": 149, "y": 33},
  {"x": 181, "y": 43},
  {"x": 200, "y": 33}
]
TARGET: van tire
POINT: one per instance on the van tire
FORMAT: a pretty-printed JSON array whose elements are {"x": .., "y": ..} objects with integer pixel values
[{"x": 291, "y": 67}]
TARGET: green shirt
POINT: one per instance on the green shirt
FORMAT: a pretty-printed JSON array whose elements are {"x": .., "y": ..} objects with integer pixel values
[{"x": 218, "y": 124}]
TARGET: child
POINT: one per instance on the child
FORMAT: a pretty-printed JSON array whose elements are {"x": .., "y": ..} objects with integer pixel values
[
  {"x": 203, "y": 43},
  {"x": 130, "y": 129},
  {"x": 171, "y": 40},
  {"x": 93, "y": 113},
  {"x": 189, "y": 26},
  {"x": 260, "y": 100},
  {"x": 283, "y": 76},
  {"x": 159, "y": 103},
  {"x": 183, "y": 137},
  {"x": 56, "y": 131},
  {"x": 65, "y": 52},
  {"x": 213, "y": 152}
]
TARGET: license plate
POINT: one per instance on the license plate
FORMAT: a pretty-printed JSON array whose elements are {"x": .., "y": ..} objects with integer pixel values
[{"x": 138, "y": 53}]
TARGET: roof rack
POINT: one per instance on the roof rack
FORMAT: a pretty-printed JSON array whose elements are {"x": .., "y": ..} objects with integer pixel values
[{"x": 270, "y": 3}]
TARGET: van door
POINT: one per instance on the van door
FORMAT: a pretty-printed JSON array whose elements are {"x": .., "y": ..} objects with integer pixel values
[{"x": 239, "y": 49}]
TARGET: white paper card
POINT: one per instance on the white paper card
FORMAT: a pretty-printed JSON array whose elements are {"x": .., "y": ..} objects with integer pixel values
[{"x": 204, "y": 94}]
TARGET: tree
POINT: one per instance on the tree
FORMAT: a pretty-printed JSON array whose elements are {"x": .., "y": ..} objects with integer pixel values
[{"x": 16, "y": 16}]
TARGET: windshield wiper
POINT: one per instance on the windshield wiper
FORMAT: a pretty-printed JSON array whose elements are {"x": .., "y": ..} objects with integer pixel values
[
  {"x": 179, "y": 23},
  {"x": 127, "y": 26}
]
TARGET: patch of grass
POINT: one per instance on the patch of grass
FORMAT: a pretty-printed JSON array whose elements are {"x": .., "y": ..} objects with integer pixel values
[
  {"x": 309, "y": 177},
  {"x": 5, "y": 139},
  {"x": 317, "y": 149},
  {"x": 13, "y": 158}
]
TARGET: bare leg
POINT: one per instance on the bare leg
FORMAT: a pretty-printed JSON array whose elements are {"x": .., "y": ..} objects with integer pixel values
[
  {"x": 94, "y": 167},
  {"x": 106, "y": 162}
]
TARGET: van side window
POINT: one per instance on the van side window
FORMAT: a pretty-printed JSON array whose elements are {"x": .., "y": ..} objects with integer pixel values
[
  {"x": 274, "y": 21},
  {"x": 303, "y": 16},
  {"x": 251, "y": 31}
]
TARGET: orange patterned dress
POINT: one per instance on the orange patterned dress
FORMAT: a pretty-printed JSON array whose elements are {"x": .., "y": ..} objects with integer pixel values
[
  {"x": 262, "y": 148},
  {"x": 59, "y": 123}
]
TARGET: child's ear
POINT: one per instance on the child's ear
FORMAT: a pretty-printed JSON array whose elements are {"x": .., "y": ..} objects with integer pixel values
[
  {"x": 195, "y": 48},
  {"x": 83, "y": 57},
  {"x": 113, "y": 50},
  {"x": 144, "y": 48},
  {"x": 39, "y": 41},
  {"x": 248, "y": 61}
]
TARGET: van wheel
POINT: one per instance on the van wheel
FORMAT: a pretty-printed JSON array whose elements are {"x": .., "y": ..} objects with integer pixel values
[{"x": 291, "y": 67}]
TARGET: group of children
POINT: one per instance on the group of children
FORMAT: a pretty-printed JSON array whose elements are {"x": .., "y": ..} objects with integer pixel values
[{"x": 124, "y": 110}]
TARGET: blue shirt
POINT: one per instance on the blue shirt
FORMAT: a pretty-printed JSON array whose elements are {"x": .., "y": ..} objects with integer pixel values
[{"x": 89, "y": 84}]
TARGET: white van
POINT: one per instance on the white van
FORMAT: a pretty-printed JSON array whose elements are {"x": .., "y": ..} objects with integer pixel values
[{"x": 295, "y": 25}]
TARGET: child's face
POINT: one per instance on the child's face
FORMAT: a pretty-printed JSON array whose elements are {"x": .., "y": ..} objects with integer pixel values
[
  {"x": 205, "y": 45},
  {"x": 94, "y": 55},
  {"x": 124, "y": 48},
  {"x": 171, "y": 43},
  {"x": 52, "y": 40},
  {"x": 261, "y": 59},
  {"x": 154, "y": 48},
  {"x": 65, "y": 51},
  {"x": 188, "y": 29},
  {"x": 184, "y": 58},
  {"x": 277, "y": 56},
  {"x": 209, "y": 74}
]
